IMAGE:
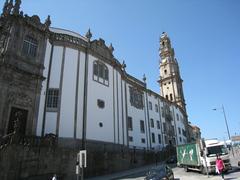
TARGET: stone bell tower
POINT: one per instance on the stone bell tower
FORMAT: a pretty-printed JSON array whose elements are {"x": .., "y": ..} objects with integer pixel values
[
  {"x": 170, "y": 80},
  {"x": 22, "y": 50}
]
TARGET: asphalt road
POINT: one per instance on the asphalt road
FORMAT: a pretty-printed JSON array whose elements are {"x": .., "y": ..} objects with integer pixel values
[{"x": 180, "y": 174}]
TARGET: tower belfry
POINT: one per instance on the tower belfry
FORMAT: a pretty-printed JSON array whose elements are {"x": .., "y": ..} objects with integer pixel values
[{"x": 170, "y": 80}]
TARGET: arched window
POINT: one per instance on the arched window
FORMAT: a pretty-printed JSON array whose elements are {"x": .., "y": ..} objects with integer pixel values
[
  {"x": 171, "y": 97},
  {"x": 100, "y": 73}
]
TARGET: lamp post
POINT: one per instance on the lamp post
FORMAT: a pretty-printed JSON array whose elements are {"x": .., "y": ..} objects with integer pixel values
[{"x": 225, "y": 118}]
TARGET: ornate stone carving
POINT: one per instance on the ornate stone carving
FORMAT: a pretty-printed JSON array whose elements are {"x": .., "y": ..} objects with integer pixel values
[
  {"x": 100, "y": 47},
  {"x": 17, "y": 7},
  {"x": 111, "y": 48},
  {"x": 5, "y": 27},
  {"x": 7, "y": 8},
  {"x": 144, "y": 78},
  {"x": 35, "y": 21},
  {"x": 124, "y": 65},
  {"x": 88, "y": 35},
  {"x": 48, "y": 22},
  {"x": 68, "y": 39},
  {"x": 136, "y": 98},
  {"x": 20, "y": 99}
]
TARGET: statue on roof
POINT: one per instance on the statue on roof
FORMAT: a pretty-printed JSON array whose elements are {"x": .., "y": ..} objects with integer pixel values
[
  {"x": 88, "y": 34},
  {"x": 17, "y": 7},
  {"x": 7, "y": 8},
  {"x": 48, "y": 22}
]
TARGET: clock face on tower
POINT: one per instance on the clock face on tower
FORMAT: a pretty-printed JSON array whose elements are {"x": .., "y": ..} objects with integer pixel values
[{"x": 164, "y": 60}]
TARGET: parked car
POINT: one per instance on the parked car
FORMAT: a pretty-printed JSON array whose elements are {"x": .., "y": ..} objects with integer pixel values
[
  {"x": 162, "y": 172},
  {"x": 171, "y": 159}
]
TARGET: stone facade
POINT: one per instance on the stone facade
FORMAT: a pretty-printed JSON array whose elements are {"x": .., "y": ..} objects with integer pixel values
[
  {"x": 21, "y": 68},
  {"x": 38, "y": 158}
]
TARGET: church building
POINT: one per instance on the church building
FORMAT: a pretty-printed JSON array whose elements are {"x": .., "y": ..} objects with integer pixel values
[{"x": 56, "y": 81}]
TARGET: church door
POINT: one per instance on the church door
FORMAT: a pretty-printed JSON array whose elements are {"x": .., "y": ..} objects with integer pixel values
[{"x": 17, "y": 120}]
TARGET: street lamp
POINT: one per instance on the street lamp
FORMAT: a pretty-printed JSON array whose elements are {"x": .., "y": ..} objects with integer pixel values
[{"x": 226, "y": 125}]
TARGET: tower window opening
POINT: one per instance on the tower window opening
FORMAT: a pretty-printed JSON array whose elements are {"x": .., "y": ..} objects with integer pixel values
[
  {"x": 165, "y": 71},
  {"x": 171, "y": 97},
  {"x": 167, "y": 97}
]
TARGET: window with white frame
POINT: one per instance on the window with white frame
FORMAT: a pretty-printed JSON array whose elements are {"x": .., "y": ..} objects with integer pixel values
[
  {"x": 52, "y": 99},
  {"x": 30, "y": 46},
  {"x": 100, "y": 73}
]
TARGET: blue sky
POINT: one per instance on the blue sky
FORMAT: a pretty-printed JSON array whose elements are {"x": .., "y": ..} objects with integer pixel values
[{"x": 205, "y": 35}]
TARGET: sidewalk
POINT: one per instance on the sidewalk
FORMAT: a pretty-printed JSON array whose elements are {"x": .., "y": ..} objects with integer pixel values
[{"x": 120, "y": 175}]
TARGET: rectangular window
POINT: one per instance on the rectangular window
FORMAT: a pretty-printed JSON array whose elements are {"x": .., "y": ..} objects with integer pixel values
[
  {"x": 165, "y": 138},
  {"x": 143, "y": 140},
  {"x": 152, "y": 123},
  {"x": 179, "y": 130},
  {"x": 153, "y": 137},
  {"x": 163, "y": 113},
  {"x": 172, "y": 130},
  {"x": 156, "y": 107},
  {"x": 95, "y": 69},
  {"x": 180, "y": 139},
  {"x": 106, "y": 74},
  {"x": 158, "y": 124},
  {"x": 150, "y": 105},
  {"x": 52, "y": 98},
  {"x": 100, "y": 73},
  {"x": 30, "y": 46},
  {"x": 164, "y": 127},
  {"x": 159, "y": 139},
  {"x": 177, "y": 117},
  {"x": 130, "y": 138},
  {"x": 130, "y": 126},
  {"x": 142, "y": 129}
]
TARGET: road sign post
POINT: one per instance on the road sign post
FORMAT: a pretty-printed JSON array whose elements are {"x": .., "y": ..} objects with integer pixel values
[{"x": 81, "y": 163}]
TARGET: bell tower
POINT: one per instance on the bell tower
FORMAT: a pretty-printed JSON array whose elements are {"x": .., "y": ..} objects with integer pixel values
[{"x": 170, "y": 80}]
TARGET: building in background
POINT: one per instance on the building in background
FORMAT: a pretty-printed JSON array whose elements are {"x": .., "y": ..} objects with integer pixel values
[{"x": 194, "y": 132}]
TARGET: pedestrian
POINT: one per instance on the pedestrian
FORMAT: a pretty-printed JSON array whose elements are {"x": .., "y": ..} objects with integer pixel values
[
  {"x": 220, "y": 166},
  {"x": 54, "y": 177}
]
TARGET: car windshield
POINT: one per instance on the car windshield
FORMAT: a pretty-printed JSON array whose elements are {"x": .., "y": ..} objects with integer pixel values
[{"x": 212, "y": 151}]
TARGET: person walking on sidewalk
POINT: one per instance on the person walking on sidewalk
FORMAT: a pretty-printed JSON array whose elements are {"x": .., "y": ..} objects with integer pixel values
[
  {"x": 54, "y": 177},
  {"x": 220, "y": 166}
]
